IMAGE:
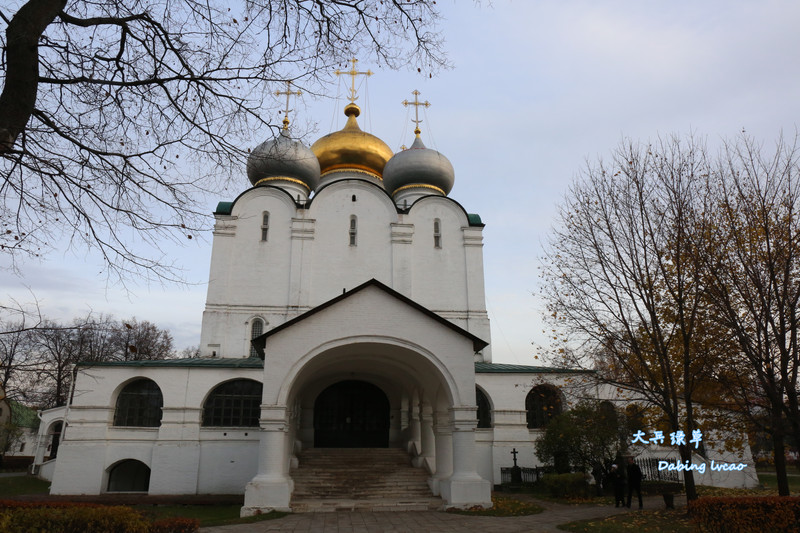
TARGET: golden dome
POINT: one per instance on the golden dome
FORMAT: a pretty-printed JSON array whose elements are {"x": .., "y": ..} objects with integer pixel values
[{"x": 352, "y": 149}]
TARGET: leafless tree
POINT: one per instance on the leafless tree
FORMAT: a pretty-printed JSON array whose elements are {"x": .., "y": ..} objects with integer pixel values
[
  {"x": 754, "y": 282},
  {"x": 623, "y": 281},
  {"x": 37, "y": 362},
  {"x": 15, "y": 350},
  {"x": 56, "y": 354},
  {"x": 132, "y": 340},
  {"x": 108, "y": 107}
]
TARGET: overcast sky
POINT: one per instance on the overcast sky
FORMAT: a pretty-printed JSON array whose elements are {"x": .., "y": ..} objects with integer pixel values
[{"x": 538, "y": 88}]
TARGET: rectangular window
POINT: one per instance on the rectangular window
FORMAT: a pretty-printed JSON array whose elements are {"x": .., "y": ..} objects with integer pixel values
[
  {"x": 437, "y": 234},
  {"x": 264, "y": 227}
]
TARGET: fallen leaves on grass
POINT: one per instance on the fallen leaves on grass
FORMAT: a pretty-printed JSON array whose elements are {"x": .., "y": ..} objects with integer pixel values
[{"x": 502, "y": 506}]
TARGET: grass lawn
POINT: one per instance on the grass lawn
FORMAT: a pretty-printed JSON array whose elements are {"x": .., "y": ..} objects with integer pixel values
[
  {"x": 664, "y": 521},
  {"x": 19, "y": 485},
  {"x": 770, "y": 480}
]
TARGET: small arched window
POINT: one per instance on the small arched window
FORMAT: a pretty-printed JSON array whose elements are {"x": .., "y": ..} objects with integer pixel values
[
  {"x": 353, "y": 229},
  {"x": 139, "y": 405},
  {"x": 255, "y": 331},
  {"x": 437, "y": 233},
  {"x": 542, "y": 403},
  {"x": 236, "y": 403},
  {"x": 264, "y": 226},
  {"x": 129, "y": 475},
  {"x": 484, "y": 409}
]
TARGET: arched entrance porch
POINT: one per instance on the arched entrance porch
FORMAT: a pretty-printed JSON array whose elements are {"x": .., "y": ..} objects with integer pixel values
[{"x": 394, "y": 395}]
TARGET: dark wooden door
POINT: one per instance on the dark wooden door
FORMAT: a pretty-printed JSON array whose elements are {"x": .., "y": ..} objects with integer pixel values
[{"x": 351, "y": 414}]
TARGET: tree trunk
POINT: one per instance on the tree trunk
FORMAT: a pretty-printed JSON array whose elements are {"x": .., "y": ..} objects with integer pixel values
[
  {"x": 18, "y": 99},
  {"x": 779, "y": 455},
  {"x": 688, "y": 475}
]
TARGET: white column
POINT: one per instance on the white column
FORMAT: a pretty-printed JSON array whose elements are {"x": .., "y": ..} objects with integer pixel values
[
  {"x": 465, "y": 487},
  {"x": 414, "y": 431},
  {"x": 427, "y": 456},
  {"x": 272, "y": 488},
  {"x": 444, "y": 451}
]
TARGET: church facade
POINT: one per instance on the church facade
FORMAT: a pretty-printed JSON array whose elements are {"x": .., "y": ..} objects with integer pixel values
[{"x": 345, "y": 308}]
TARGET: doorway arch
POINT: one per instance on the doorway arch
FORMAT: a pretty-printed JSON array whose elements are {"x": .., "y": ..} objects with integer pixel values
[{"x": 351, "y": 414}]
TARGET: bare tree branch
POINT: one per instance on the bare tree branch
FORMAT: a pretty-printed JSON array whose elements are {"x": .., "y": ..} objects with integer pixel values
[{"x": 121, "y": 116}]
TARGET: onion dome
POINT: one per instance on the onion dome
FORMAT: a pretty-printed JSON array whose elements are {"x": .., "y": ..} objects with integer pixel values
[
  {"x": 284, "y": 162},
  {"x": 418, "y": 171},
  {"x": 351, "y": 149}
]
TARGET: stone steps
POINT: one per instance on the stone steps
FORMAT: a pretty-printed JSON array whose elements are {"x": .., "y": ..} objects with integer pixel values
[{"x": 362, "y": 479}]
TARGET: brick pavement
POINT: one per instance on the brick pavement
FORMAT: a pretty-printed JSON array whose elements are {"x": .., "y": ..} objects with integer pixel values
[{"x": 433, "y": 521}]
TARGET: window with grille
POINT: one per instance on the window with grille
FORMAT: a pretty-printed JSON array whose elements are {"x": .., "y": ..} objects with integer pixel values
[
  {"x": 484, "y": 409},
  {"x": 236, "y": 403},
  {"x": 353, "y": 229},
  {"x": 255, "y": 330},
  {"x": 139, "y": 405},
  {"x": 264, "y": 226},
  {"x": 542, "y": 403}
]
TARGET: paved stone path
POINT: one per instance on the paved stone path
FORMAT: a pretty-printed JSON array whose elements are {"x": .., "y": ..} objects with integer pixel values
[{"x": 435, "y": 521}]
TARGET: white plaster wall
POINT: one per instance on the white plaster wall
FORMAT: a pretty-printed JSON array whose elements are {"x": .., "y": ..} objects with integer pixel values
[
  {"x": 308, "y": 260},
  {"x": 183, "y": 457},
  {"x": 227, "y": 463},
  {"x": 371, "y": 314}
]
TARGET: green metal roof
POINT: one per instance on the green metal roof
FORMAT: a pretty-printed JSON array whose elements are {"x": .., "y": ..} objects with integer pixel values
[
  {"x": 499, "y": 368},
  {"x": 224, "y": 208},
  {"x": 197, "y": 362},
  {"x": 474, "y": 220}
]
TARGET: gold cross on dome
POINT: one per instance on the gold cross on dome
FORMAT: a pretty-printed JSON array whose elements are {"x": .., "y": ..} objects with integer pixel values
[
  {"x": 288, "y": 92},
  {"x": 416, "y": 103},
  {"x": 353, "y": 73}
]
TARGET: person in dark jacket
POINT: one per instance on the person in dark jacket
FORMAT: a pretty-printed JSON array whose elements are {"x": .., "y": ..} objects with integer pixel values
[
  {"x": 617, "y": 479},
  {"x": 634, "y": 481}
]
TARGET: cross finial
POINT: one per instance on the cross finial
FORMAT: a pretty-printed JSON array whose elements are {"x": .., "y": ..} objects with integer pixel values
[
  {"x": 353, "y": 73},
  {"x": 288, "y": 92},
  {"x": 416, "y": 103},
  {"x": 514, "y": 452}
]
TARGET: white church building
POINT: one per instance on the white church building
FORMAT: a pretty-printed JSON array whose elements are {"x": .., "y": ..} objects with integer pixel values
[{"x": 345, "y": 309}]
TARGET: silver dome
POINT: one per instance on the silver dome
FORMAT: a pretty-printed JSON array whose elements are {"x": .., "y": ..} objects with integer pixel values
[
  {"x": 421, "y": 167},
  {"x": 283, "y": 159}
]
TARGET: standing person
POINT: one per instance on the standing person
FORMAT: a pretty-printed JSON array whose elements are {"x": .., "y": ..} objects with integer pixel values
[
  {"x": 618, "y": 482},
  {"x": 634, "y": 481}
]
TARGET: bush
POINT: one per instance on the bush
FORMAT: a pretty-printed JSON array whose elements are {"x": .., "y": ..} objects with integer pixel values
[
  {"x": 175, "y": 525},
  {"x": 73, "y": 519},
  {"x": 566, "y": 485},
  {"x": 746, "y": 514}
]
